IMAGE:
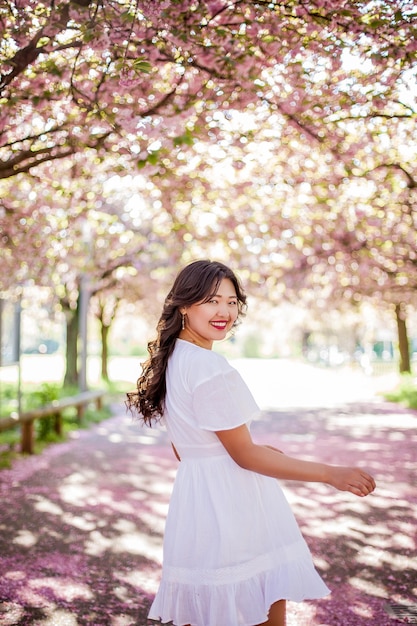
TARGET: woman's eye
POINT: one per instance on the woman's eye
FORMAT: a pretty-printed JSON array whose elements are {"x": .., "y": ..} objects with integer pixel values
[{"x": 215, "y": 301}]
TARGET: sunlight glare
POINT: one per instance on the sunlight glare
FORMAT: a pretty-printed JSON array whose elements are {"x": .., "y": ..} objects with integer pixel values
[{"x": 25, "y": 538}]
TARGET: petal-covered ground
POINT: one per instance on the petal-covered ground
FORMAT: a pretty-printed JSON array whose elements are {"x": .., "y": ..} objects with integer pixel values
[{"x": 81, "y": 525}]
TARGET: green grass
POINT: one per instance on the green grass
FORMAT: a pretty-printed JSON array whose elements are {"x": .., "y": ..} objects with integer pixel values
[
  {"x": 36, "y": 396},
  {"x": 405, "y": 393}
]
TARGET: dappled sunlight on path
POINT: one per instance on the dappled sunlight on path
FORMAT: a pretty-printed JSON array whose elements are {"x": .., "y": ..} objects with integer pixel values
[
  {"x": 364, "y": 548},
  {"x": 81, "y": 525},
  {"x": 82, "y": 534}
]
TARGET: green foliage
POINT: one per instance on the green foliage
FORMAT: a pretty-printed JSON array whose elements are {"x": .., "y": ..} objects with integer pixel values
[
  {"x": 186, "y": 139},
  {"x": 91, "y": 416},
  {"x": 151, "y": 159},
  {"x": 46, "y": 394},
  {"x": 9, "y": 439},
  {"x": 406, "y": 392},
  {"x": 141, "y": 65},
  {"x": 6, "y": 458},
  {"x": 8, "y": 399}
]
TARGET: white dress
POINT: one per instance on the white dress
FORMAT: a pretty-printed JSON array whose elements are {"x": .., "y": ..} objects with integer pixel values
[{"x": 232, "y": 546}]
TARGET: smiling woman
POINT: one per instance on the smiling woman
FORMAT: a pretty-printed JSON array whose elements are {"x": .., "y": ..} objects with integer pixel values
[
  {"x": 233, "y": 553},
  {"x": 210, "y": 320}
]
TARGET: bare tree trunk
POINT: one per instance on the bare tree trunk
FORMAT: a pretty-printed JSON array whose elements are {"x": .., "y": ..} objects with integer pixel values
[
  {"x": 403, "y": 344},
  {"x": 71, "y": 361},
  {"x": 104, "y": 331},
  {"x": 105, "y": 312}
]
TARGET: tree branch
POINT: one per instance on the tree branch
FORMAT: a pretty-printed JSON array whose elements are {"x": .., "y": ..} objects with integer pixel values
[
  {"x": 28, "y": 55},
  {"x": 412, "y": 182}
]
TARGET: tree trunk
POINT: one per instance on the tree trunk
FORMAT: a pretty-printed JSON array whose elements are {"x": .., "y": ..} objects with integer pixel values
[
  {"x": 104, "y": 331},
  {"x": 71, "y": 371},
  {"x": 403, "y": 345},
  {"x": 105, "y": 311}
]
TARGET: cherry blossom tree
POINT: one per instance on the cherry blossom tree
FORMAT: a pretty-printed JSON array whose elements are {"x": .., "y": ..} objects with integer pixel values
[
  {"x": 158, "y": 86},
  {"x": 310, "y": 223},
  {"x": 75, "y": 233},
  {"x": 134, "y": 76}
]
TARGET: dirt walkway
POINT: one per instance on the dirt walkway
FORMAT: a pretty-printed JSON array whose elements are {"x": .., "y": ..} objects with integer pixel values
[{"x": 81, "y": 525}]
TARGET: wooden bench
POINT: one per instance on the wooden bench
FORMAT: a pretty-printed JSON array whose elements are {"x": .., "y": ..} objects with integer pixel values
[{"x": 26, "y": 420}]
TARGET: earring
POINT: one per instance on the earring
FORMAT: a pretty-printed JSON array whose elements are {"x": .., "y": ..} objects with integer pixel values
[{"x": 183, "y": 321}]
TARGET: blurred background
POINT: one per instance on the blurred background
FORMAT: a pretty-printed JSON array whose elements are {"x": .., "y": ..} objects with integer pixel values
[{"x": 278, "y": 138}]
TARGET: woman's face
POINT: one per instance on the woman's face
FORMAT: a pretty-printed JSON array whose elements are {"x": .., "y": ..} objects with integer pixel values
[{"x": 212, "y": 320}]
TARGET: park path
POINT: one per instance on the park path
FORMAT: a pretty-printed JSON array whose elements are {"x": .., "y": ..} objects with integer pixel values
[{"x": 81, "y": 525}]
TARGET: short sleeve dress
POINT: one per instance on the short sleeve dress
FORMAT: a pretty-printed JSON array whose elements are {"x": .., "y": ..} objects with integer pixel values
[{"x": 232, "y": 546}]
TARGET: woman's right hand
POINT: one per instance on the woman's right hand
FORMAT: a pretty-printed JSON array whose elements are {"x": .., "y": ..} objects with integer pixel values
[{"x": 352, "y": 479}]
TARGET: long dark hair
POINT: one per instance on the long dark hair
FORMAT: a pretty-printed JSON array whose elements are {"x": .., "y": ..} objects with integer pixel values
[{"x": 196, "y": 282}]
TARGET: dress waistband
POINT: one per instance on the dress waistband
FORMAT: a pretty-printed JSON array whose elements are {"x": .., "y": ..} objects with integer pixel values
[{"x": 204, "y": 451}]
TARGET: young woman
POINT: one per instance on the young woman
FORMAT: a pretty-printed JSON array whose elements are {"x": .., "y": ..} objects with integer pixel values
[{"x": 233, "y": 552}]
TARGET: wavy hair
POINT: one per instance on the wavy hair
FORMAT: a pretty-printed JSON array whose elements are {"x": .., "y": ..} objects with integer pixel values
[{"x": 197, "y": 282}]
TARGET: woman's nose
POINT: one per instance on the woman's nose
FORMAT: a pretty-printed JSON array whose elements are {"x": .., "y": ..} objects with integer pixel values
[{"x": 222, "y": 309}]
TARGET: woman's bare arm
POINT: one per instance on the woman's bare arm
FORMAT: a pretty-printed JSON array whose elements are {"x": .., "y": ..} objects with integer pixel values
[{"x": 265, "y": 460}]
